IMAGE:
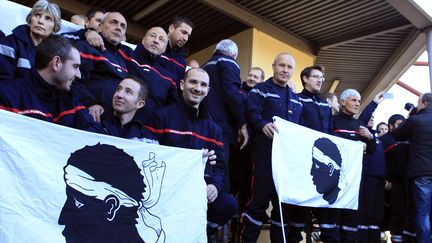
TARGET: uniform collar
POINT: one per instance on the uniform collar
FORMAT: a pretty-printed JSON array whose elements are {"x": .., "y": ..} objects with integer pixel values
[
  {"x": 344, "y": 115},
  {"x": 427, "y": 109},
  {"x": 192, "y": 112},
  {"x": 246, "y": 87},
  {"x": 44, "y": 90},
  {"x": 22, "y": 32},
  {"x": 179, "y": 51},
  {"x": 310, "y": 94},
  {"x": 109, "y": 46},
  {"x": 145, "y": 54}
]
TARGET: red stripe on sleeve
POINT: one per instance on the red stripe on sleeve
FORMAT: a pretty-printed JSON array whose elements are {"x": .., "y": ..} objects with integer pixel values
[
  {"x": 390, "y": 147},
  {"x": 194, "y": 134},
  {"x": 147, "y": 66}
]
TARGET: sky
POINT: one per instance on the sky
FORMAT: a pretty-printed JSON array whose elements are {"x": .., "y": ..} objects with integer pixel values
[{"x": 416, "y": 77}]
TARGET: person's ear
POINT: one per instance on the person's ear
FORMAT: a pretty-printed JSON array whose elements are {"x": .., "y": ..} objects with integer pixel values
[
  {"x": 140, "y": 104},
  {"x": 171, "y": 28},
  {"x": 56, "y": 63},
  {"x": 113, "y": 204},
  {"x": 304, "y": 78},
  {"x": 182, "y": 82}
]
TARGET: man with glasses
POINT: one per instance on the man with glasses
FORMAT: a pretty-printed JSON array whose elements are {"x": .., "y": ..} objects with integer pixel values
[{"x": 317, "y": 115}]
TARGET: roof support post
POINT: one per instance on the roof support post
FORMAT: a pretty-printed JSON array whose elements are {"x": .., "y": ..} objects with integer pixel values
[{"x": 429, "y": 51}]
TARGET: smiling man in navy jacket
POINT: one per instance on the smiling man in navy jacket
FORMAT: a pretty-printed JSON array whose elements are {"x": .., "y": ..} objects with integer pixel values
[
  {"x": 103, "y": 70},
  {"x": 187, "y": 124},
  {"x": 130, "y": 96},
  {"x": 46, "y": 94}
]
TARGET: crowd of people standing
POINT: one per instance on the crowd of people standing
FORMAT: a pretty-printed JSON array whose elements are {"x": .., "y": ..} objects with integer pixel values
[{"x": 89, "y": 80}]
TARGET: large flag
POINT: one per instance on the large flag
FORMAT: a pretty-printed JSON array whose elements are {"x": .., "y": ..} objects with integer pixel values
[
  {"x": 315, "y": 169},
  {"x": 59, "y": 184}
]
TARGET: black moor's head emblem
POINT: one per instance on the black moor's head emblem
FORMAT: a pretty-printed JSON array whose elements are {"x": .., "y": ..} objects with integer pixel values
[{"x": 326, "y": 168}]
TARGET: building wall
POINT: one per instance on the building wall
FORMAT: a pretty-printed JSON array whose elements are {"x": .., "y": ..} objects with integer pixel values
[
  {"x": 264, "y": 50},
  {"x": 244, "y": 43},
  {"x": 259, "y": 49}
]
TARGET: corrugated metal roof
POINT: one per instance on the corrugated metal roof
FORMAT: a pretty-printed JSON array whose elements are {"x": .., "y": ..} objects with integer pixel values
[{"x": 357, "y": 63}]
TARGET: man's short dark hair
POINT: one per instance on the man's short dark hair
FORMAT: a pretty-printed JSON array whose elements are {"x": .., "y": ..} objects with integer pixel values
[
  {"x": 143, "y": 92},
  {"x": 50, "y": 47},
  {"x": 307, "y": 71},
  {"x": 93, "y": 11},
  {"x": 380, "y": 124},
  {"x": 193, "y": 68},
  {"x": 177, "y": 21},
  {"x": 427, "y": 98},
  {"x": 392, "y": 120}
]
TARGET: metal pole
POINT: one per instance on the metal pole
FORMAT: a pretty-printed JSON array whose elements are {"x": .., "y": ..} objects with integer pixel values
[{"x": 429, "y": 50}]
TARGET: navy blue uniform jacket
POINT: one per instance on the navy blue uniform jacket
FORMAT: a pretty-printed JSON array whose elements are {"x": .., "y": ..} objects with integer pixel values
[
  {"x": 396, "y": 155},
  {"x": 263, "y": 103},
  {"x": 161, "y": 82},
  {"x": 132, "y": 130},
  {"x": 181, "y": 125},
  {"x": 76, "y": 35},
  {"x": 316, "y": 114},
  {"x": 224, "y": 100},
  {"x": 346, "y": 126},
  {"x": 417, "y": 129},
  {"x": 38, "y": 99},
  {"x": 373, "y": 164},
  {"x": 175, "y": 62},
  {"x": 101, "y": 72},
  {"x": 17, "y": 54}
]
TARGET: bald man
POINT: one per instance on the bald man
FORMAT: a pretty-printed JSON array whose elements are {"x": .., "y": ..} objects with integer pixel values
[
  {"x": 268, "y": 99},
  {"x": 102, "y": 71},
  {"x": 161, "y": 82}
]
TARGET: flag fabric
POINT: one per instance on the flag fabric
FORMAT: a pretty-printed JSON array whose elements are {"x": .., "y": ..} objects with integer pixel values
[
  {"x": 59, "y": 184},
  {"x": 315, "y": 169}
]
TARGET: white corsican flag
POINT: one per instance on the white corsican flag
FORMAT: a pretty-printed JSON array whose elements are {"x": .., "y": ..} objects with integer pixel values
[
  {"x": 315, "y": 169},
  {"x": 59, "y": 184}
]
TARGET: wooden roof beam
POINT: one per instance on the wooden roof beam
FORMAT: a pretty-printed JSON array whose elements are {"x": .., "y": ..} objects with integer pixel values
[
  {"x": 249, "y": 18},
  {"x": 413, "y": 46},
  {"x": 412, "y": 12},
  {"x": 361, "y": 36},
  {"x": 149, "y": 10}
]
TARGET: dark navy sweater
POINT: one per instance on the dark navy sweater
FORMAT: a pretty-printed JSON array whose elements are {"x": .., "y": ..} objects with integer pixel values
[
  {"x": 161, "y": 82},
  {"x": 181, "y": 125},
  {"x": 373, "y": 164},
  {"x": 346, "y": 126},
  {"x": 38, "y": 99},
  {"x": 101, "y": 72},
  {"x": 132, "y": 130},
  {"x": 317, "y": 113},
  {"x": 265, "y": 101},
  {"x": 17, "y": 54},
  {"x": 174, "y": 61},
  {"x": 224, "y": 100}
]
